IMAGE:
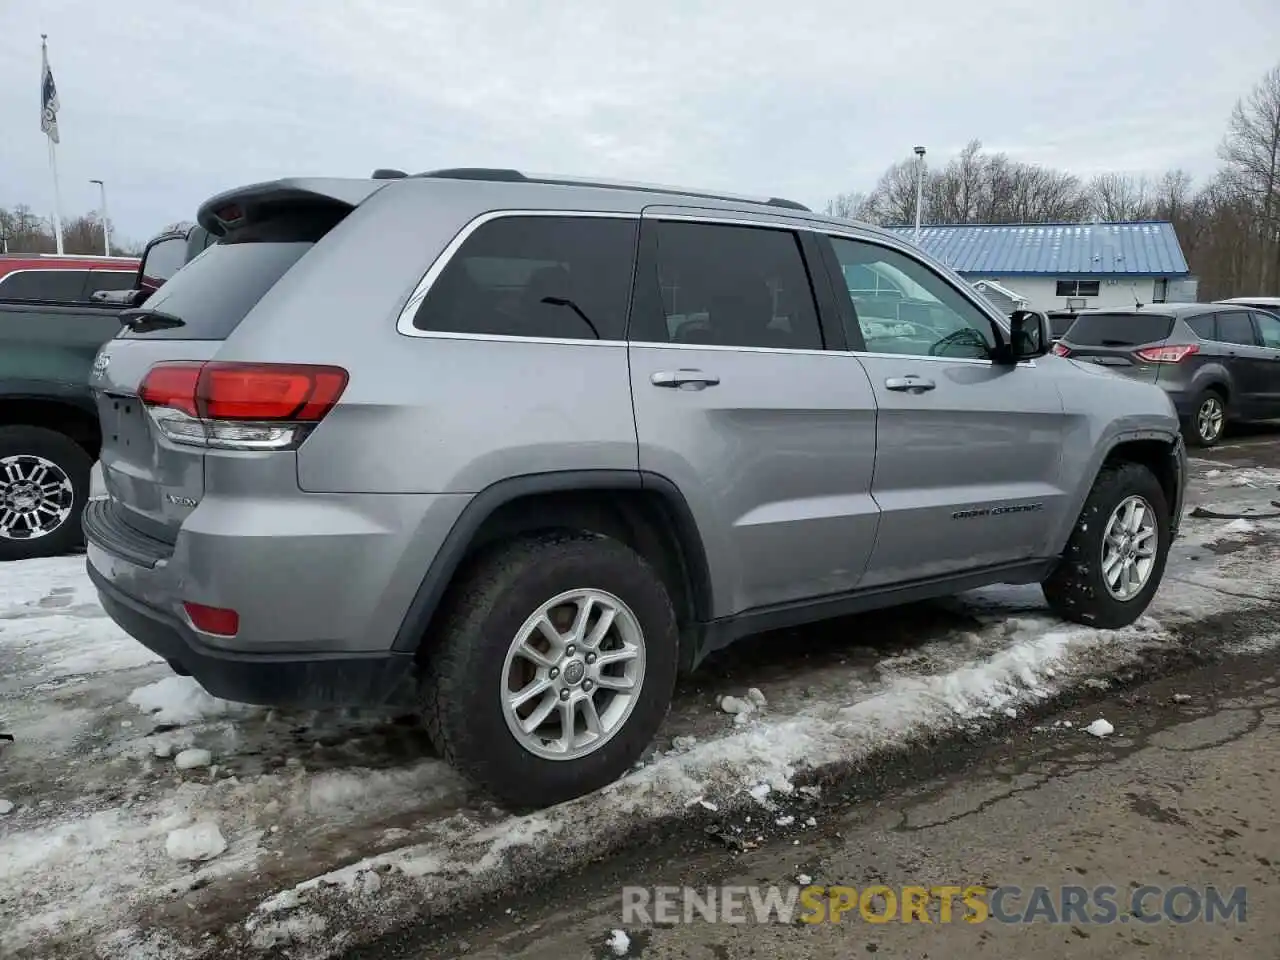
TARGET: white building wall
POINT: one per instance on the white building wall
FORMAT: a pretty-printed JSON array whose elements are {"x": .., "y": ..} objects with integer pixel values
[{"x": 1041, "y": 292}]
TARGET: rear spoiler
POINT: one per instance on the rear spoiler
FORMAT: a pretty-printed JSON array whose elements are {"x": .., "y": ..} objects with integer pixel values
[{"x": 245, "y": 205}]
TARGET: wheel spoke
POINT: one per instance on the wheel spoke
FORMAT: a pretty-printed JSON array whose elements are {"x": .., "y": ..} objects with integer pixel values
[
  {"x": 524, "y": 695},
  {"x": 540, "y": 713},
  {"x": 610, "y": 682},
  {"x": 616, "y": 656},
  {"x": 591, "y": 716},
  {"x": 607, "y": 616},
  {"x": 568, "y": 724},
  {"x": 581, "y": 619}
]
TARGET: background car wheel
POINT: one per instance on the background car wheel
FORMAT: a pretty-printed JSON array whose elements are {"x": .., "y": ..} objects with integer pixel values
[
  {"x": 553, "y": 668},
  {"x": 1115, "y": 558},
  {"x": 1208, "y": 419},
  {"x": 44, "y": 484}
]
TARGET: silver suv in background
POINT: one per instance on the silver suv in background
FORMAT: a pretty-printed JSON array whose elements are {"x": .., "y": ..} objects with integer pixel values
[{"x": 530, "y": 446}]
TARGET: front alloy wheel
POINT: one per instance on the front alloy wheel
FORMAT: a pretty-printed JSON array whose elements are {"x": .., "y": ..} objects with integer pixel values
[{"x": 1129, "y": 548}]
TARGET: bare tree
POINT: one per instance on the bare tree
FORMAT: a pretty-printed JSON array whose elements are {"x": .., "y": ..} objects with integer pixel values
[
  {"x": 1118, "y": 196},
  {"x": 1251, "y": 150},
  {"x": 27, "y": 233},
  {"x": 849, "y": 206}
]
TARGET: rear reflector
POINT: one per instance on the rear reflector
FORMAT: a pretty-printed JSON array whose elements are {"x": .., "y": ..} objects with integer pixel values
[
  {"x": 263, "y": 406},
  {"x": 1173, "y": 354},
  {"x": 218, "y": 620}
]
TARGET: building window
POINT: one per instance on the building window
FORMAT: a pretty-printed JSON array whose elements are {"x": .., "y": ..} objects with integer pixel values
[{"x": 1079, "y": 288}]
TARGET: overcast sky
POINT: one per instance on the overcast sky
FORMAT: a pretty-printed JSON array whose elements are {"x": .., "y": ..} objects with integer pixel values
[{"x": 170, "y": 101}]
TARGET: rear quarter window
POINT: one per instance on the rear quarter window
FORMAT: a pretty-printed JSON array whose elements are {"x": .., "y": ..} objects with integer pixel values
[
  {"x": 1118, "y": 329},
  {"x": 544, "y": 277}
]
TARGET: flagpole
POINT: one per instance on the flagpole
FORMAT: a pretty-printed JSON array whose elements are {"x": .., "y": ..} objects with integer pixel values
[
  {"x": 57, "y": 195},
  {"x": 53, "y": 160}
]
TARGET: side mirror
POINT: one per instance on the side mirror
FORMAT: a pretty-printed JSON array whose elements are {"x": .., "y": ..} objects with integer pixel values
[{"x": 1029, "y": 335}]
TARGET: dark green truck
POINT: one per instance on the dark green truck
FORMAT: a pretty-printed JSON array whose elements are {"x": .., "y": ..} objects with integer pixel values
[{"x": 49, "y": 436}]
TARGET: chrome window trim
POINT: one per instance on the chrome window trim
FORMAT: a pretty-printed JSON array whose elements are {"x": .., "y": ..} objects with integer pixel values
[{"x": 405, "y": 327}]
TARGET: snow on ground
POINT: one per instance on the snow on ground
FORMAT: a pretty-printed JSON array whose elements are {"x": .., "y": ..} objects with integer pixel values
[{"x": 148, "y": 814}]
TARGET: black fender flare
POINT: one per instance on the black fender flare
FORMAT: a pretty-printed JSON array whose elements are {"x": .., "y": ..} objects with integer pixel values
[{"x": 458, "y": 541}]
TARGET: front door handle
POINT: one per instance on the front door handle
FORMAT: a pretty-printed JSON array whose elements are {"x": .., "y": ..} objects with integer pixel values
[
  {"x": 684, "y": 379},
  {"x": 909, "y": 384}
]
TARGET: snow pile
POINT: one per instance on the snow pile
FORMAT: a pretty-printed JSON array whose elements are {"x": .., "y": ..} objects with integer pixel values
[
  {"x": 181, "y": 701},
  {"x": 619, "y": 943},
  {"x": 1100, "y": 728},
  {"x": 201, "y": 841},
  {"x": 193, "y": 759}
]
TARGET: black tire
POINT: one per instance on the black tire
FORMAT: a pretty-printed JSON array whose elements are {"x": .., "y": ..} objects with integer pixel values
[
  {"x": 1076, "y": 590},
  {"x": 1193, "y": 426},
  {"x": 74, "y": 462},
  {"x": 465, "y": 656}
]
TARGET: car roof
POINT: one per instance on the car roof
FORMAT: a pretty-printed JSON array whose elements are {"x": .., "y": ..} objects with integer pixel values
[
  {"x": 1176, "y": 310},
  {"x": 502, "y": 187},
  {"x": 1252, "y": 301}
]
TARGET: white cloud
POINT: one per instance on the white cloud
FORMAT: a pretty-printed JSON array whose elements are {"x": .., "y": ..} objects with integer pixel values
[{"x": 170, "y": 101}]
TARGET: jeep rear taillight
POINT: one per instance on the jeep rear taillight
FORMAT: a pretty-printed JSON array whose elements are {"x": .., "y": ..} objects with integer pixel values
[
  {"x": 245, "y": 406},
  {"x": 1172, "y": 354},
  {"x": 1060, "y": 351}
]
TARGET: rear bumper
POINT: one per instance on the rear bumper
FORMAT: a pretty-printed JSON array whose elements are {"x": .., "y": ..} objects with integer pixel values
[{"x": 315, "y": 681}]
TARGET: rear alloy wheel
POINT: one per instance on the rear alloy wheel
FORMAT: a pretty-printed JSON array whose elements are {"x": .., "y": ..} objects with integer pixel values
[
  {"x": 44, "y": 483},
  {"x": 1209, "y": 419},
  {"x": 552, "y": 668}
]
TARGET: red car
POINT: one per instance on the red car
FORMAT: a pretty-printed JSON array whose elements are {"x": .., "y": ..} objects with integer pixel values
[{"x": 49, "y": 278}]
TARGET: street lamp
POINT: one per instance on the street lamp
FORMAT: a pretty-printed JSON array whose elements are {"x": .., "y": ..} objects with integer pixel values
[
  {"x": 106, "y": 228},
  {"x": 919, "y": 189}
]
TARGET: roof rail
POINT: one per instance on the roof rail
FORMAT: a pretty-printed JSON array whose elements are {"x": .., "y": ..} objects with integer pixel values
[{"x": 500, "y": 175}]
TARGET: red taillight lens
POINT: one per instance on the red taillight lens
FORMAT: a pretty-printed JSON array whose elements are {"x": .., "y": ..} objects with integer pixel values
[
  {"x": 1172, "y": 354},
  {"x": 1060, "y": 351},
  {"x": 242, "y": 406},
  {"x": 219, "y": 620},
  {"x": 250, "y": 391},
  {"x": 172, "y": 385}
]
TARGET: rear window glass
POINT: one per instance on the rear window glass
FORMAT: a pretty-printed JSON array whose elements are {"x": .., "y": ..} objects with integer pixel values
[
  {"x": 1118, "y": 329},
  {"x": 218, "y": 288}
]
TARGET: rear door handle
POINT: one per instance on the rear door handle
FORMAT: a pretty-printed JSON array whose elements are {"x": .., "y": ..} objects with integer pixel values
[
  {"x": 909, "y": 384},
  {"x": 684, "y": 379}
]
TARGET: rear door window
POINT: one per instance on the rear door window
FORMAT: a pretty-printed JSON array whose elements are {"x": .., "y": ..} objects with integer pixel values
[
  {"x": 1118, "y": 329},
  {"x": 50, "y": 286},
  {"x": 1236, "y": 328},
  {"x": 564, "y": 278},
  {"x": 728, "y": 286}
]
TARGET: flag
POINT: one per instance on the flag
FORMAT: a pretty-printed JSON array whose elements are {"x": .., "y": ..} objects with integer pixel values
[{"x": 48, "y": 98}]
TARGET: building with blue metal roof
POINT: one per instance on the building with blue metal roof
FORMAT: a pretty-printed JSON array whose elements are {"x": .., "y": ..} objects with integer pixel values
[{"x": 1054, "y": 266}]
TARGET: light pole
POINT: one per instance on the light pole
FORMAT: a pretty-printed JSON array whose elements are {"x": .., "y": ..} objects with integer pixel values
[
  {"x": 106, "y": 227},
  {"x": 919, "y": 189}
]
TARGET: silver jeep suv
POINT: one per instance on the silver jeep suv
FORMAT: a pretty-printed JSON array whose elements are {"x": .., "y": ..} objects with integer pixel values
[{"x": 527, "y": 447}]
